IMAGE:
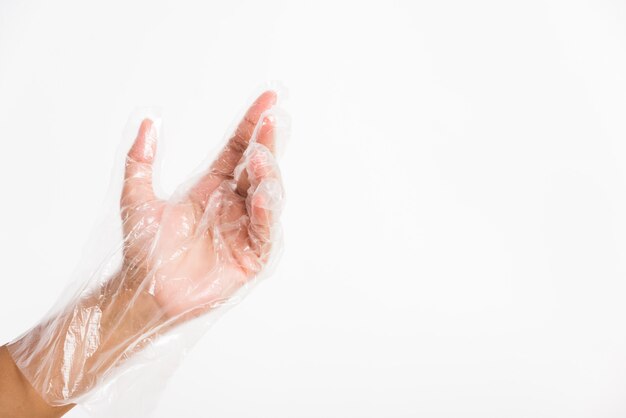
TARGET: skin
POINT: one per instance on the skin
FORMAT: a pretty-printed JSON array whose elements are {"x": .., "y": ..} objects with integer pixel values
[
  {"x": 182, "y": 257},
  {"x": 209, "y": 278},
  {"x": 18, "y": 398}
]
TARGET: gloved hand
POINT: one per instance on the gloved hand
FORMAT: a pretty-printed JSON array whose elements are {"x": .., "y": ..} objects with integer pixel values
[
  {"x": 182, "y": 257},
  {"x": 199, "y": 248}
]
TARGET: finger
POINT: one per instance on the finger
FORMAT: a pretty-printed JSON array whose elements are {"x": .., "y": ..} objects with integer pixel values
[
  {"x": 265, "y": 137},
  {"x": 223, "y": 167},
  {"x": 265, "y": 199},
  {"x": 264, "y": 213},
  {"x": 138, "y": 187},
  {"x": 232, "y": 152},
  {"x": 260, "y": 219}
]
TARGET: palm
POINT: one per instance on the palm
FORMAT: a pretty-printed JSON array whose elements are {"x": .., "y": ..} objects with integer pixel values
[{"x": 197, "y": 250}]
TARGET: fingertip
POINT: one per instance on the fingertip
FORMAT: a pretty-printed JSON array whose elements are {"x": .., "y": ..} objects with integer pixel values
[
  {"x": 144, "y": 147},
  {"x": 260, "y": 210},
  {"x": 269, "y": 121},
  {"x": 266, "y": 132},
  {"x": 258, "y": 200},
  {"x": 268, "y": 97},
  {"x": 259, "y": 164},
  {"x": 263, "y": 102},
  {"x": 146, "y": 125}
]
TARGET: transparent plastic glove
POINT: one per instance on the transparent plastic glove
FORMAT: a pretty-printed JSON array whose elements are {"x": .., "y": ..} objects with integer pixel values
[{"x": 180, "y": 259}]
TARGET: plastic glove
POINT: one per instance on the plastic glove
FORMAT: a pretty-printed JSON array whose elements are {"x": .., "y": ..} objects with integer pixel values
[
  {"x": 197, "y": 250},
  {"x": 182, "y": 258}
]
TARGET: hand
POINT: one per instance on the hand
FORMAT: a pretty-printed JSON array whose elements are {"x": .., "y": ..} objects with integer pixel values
[
  {"x": 196, "y": 250},
  {"x": 181, "y": 257}
]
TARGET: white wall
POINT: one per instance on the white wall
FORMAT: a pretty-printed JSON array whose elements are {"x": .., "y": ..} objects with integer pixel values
[{"x": 456, "y": 218}]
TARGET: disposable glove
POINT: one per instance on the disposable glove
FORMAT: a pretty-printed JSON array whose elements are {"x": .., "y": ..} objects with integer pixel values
[{"x": 180, "y": 258}]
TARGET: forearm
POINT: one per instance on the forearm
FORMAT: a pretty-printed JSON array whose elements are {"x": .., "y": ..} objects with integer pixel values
[
  {"x": 17, "y": 396},
  {"x": 69, "y": 354},
  {"x": 181, "y": 258}
]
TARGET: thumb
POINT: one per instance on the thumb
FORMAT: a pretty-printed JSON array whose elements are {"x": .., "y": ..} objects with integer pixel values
[{"x": 138, "y": 187}]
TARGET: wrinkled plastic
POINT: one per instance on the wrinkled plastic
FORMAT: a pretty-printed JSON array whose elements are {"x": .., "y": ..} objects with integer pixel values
[{"x": 175, "y": 263}]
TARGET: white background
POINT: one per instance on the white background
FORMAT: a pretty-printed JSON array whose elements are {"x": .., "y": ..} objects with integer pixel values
[{"x": 456, "y": 217}]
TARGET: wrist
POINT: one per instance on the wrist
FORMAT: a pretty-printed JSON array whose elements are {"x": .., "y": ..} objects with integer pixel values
[
  {"x": 69, "y": 354},
  {"x": 17, "y": 397}
]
